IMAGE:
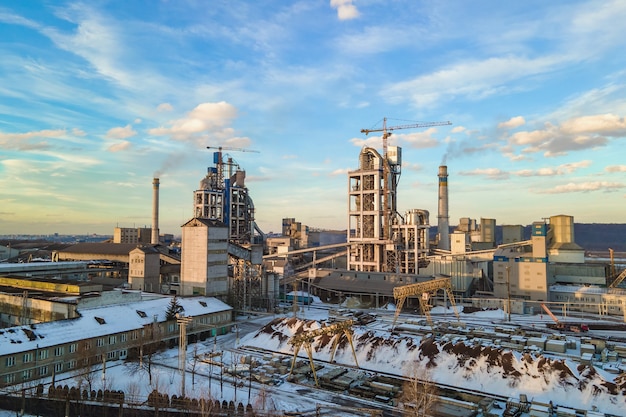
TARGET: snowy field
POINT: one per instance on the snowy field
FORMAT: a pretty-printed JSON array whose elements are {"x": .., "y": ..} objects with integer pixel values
[{"x": 545, "y": 378}]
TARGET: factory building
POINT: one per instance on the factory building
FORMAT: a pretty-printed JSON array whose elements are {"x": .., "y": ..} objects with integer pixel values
[
  {"x": 144, "y": 269},
  {"x": 118, "y": 325},
  {"x": 381, "y": 240},
  {"x": 204, "y": 258},
  {"x": 132, "y": 235},
  {"x": 527, "y": 269},
  {"x": 222, "y": 247},
  {"x": 223, "y": 196}
]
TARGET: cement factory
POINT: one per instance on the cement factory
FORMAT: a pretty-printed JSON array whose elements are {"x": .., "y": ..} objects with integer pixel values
[
  {"x": 224, "y": 254},
  {"x": 225, "y": 266}
]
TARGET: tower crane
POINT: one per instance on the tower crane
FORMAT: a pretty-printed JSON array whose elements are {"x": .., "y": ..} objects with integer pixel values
[
  {"x": 228, "y": 148},
  {"x": 386, "y": 130},
  {"x": 220, "y": 163}
]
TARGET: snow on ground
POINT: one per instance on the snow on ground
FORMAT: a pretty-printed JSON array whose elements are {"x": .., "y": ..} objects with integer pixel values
[{"x": 543, "y": 378}]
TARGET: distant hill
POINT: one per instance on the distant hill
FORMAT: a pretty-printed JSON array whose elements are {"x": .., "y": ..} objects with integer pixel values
[
  {"x": 593, "y": 236},
  {"x": 590, "y": 236},
  {"x": 600, "y": 236}
]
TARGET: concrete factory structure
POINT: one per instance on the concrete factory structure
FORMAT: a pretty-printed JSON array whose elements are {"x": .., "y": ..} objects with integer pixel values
[
  {"x": 223, "y": 236},
  {"x": 381, "y": 240}
]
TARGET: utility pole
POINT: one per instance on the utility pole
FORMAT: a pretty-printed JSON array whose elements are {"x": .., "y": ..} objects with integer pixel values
[
  {"x": 508, "y": 290},
  {"x": 182, "y": 347}
]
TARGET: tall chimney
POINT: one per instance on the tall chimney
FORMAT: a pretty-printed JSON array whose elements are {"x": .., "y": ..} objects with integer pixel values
[
  {"x": 443, "y": 224},
  {"x": 155, "y": 212}
]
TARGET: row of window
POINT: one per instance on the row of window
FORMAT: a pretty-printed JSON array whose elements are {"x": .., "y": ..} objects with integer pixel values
[
  {"x": 42, "y": 371},
  {"x": 44, "y": 353}
]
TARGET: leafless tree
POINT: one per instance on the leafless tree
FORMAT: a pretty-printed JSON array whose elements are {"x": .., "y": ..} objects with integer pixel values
[
  {"x": 86, "y": 365},
  {"x": 133, "y": 390},
  {"x": 194, "y": 364},
  {"x": 419, "y": 393}
]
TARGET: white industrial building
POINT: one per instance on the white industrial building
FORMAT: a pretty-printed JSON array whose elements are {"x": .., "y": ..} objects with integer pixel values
[{"x": 204, "y": 258}]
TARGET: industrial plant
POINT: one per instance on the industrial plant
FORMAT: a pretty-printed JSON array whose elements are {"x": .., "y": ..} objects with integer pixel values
[{"x": 225, "y": 266}]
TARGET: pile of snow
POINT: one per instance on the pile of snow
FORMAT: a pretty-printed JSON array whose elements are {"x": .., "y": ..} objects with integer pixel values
[{"x": 490, "y": 369}]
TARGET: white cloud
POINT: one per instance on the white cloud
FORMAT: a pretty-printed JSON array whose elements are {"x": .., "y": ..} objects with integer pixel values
[
  {"x": 206, "y": 123},
  {"x": 120, "y": 146},
  {"x": 562, "y": 169},
  {"x": 615, "y": 168},
  {"x": 418, "y": 140},
  {"x": 346, "y": 10},
  {"x": 512, "y": 123},
  {"x": 29, "y": 141},
  {"x": 341, "y": 171},
  {"x": 584, "y": 187},
  {"x": 608, "y": 124},
  {"x": 490, "y": 173},
  {"x": 121, "y": 132},
  {"x": 579, "y": 133},
  {"x": 470, "y": 79},
  {"x": 375, "y": 142},
  {"x": 164, "y": 107}
]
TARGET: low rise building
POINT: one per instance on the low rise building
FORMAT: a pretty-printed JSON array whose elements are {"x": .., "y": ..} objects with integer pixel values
[{"x": 105, "y": 332}]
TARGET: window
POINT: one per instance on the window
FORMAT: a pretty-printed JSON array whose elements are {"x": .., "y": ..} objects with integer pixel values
[
  {"x": 111, "y": 340},
  {"x": 123, "y": 337},
  {"x": 9, "y": 378},
  {"x": 10, "y": 361},
  {"x": 58, "y": 367},
  {"x": 72, "y": 348},
  {"x": 100, "y": 342},
  {"x": 27, "y": 374},
  {"x": 87, "y": 345},
  {"x": 71, "y": 364},
  {"x": 58, "y": 351},
  {"x": 111, "y": 355},
  {"x": 171, "y": 327},
  {"x": 28, "y": 357},
  {"x": 43, "y": 370},
  {"x": 43, "y": 354}
]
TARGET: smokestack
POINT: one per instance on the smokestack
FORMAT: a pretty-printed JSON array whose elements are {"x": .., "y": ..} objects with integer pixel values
[
  {"x": 443, "y": 225},
  {"x": 155, "y": 212}
]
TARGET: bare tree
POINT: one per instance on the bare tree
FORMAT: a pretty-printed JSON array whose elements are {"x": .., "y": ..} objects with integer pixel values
[
  {"x": 86, "y": 365},
  {"x": 194, "y": 364},
  {"x": 133, "y": 390},
  {"x": 419, "y": 393}
]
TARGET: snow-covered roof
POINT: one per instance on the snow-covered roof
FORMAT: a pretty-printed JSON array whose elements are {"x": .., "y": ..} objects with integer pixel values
[
  {"x": 578, "y": 288},
  {"x": 101, "y": 321}
]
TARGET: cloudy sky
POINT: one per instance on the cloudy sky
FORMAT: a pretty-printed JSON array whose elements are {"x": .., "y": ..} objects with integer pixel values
[{"x": 97, "y": 98}]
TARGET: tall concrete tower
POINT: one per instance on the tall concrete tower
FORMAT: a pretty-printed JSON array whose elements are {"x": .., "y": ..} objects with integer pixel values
[
  {"x": 155, "y": 212},
  {"x": 443, "y": 224}
]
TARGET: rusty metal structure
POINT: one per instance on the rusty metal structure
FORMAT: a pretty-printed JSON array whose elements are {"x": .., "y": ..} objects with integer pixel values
[
  {"x": 305, "y": 339},
  {"x": 423, "y": 290}
]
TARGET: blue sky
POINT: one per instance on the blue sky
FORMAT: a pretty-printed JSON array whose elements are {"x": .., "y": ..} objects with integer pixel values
[{"x": 98, "y": 97}]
